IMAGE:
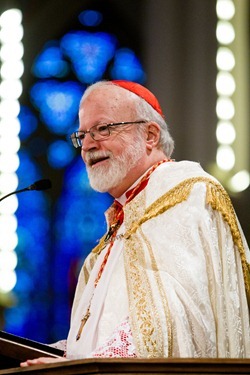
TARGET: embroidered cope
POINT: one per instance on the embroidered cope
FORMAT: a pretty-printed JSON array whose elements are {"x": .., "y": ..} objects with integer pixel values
[{"x": 176, "y": 280}]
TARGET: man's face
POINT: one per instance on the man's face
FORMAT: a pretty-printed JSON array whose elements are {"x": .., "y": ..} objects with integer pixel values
[{"x": 112, "y": 163}]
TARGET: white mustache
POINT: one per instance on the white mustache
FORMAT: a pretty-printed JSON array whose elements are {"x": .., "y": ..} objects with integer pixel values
[{"x": 92, "y": 156}]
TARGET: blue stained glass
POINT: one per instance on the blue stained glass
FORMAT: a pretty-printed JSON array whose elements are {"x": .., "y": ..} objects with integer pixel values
[
  {"x": 28, "y": 122},
  {"x": 27, "y": 164},
  {"x": 90, "y": 18},
  {"x": 58, "y": 103},
  {"x": 25, "y": 240},
  {"x": 89, "y": 53},
  {"x": 16, "y": 318},
  {"x": 76, "y": 177},
  {"x": 127, "y": 66},
  {"x": 50, "y": 62},
  {"x": 33, "y": 257},
  {"x": 34, "y": 200},
  {"x": 60, "y": 154},
  {"x": 81, "y": 210}
]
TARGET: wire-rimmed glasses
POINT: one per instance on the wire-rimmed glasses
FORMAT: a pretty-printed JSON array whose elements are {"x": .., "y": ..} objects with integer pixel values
[{"x": 98, "y": 132}]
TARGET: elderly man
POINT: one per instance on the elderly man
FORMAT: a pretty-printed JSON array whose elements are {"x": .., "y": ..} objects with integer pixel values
[{"x": 170, "y": 278}]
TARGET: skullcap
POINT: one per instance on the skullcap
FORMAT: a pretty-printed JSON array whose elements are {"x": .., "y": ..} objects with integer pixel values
[{"x": 141, "y": 91}]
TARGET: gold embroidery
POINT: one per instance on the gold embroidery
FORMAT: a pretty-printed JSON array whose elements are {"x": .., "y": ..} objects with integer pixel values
[
  {"x": 216, "y": 197},
  {"x": 145, "y": 323},
  {"x": 85, "y": 274},
  {"x": 220, "y": 201},
  {"x": 100, "y": 246},
  {"x": 162, "y": 294},
  {"x": 92, "y": 259}
]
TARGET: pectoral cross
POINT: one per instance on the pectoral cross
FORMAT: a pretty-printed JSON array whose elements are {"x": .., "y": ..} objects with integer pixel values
[{"x": 83, "y": 322}]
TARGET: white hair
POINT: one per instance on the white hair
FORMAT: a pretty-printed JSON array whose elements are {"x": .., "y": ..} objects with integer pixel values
[{"x": 143, "y": 111}]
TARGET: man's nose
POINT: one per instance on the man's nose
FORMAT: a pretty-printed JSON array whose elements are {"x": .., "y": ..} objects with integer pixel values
[{"x": 88, "y": 143}]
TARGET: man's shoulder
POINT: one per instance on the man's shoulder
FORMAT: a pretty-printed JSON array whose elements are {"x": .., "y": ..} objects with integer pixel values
[
  {"x": 167, "y": 176},
  {"x": 177, "y": 171}
]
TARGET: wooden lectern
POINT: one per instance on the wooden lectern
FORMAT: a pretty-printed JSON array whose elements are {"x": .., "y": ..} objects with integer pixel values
[
  {"x": 14, "y": 349},
  {"x": 138, "y": 366}
]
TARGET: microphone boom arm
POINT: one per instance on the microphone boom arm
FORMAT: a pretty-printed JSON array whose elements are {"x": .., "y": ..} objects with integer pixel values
[{"x": 38, "y": 185}]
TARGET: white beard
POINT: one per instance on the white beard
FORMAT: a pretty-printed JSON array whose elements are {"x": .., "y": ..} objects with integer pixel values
[{"x": 103, "y": 178}]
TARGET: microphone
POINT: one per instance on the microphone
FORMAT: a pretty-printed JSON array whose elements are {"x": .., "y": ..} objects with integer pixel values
[{"x": 38, "y": 185}]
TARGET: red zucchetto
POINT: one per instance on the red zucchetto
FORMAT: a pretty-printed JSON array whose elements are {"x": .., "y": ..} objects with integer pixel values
[{"x": 141, "y": 91}]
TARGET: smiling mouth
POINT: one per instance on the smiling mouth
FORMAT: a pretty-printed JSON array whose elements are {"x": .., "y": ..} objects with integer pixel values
[{"x": 93, "y": 162}]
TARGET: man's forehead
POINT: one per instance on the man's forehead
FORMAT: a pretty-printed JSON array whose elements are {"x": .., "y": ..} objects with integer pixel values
[
  {"x": 102, "y": 108},
  {"x": 109, "y": 91},
  {"x": 108, "y": 97}
]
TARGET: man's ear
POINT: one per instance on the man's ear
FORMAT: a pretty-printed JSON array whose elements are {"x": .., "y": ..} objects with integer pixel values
[{"x": 153, "y": 135}]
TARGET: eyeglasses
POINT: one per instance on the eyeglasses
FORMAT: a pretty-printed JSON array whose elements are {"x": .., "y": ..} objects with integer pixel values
[{"x": 97, "y": 132}]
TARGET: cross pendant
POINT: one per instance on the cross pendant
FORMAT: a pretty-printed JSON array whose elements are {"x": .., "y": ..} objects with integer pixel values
[{"x": 83, "y": 322}]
